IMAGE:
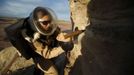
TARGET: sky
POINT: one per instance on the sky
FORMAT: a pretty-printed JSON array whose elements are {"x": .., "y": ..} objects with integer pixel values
[{"x": 22, "y": 8}]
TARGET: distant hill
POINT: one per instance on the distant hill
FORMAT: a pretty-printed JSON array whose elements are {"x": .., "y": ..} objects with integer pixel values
[
  {"x": 64, "y": 25},
  {"x": 7, "y": 20}
]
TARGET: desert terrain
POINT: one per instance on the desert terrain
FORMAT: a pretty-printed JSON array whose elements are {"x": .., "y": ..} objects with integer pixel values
[{"x": 21, "y": 66}]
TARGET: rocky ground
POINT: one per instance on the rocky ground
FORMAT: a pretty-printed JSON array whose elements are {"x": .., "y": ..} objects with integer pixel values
[{"x": 7, "y": 52}]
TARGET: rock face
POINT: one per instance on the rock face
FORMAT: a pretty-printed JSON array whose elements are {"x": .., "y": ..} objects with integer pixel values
[
  {"x": 79, "y": 18},
  {"x": 78, "y": 10},
  {"x": 107, "y": 46}
]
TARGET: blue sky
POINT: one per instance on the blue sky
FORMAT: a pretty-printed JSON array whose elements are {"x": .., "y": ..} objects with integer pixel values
[{"x": 22, "y": 8}]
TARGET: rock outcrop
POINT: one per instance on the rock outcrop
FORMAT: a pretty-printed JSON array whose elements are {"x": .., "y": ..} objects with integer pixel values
[{"x": 107, "y": 46}]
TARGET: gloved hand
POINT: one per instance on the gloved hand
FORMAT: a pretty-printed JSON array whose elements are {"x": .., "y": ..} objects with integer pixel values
[
  {"x": 66, "y": 44},
  {"x": 61, "y": 38}
]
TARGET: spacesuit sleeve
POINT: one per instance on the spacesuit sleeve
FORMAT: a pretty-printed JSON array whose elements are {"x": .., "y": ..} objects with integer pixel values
[
  {"x": 15, "y": 37},
  {"x": 66, "y": 46}
]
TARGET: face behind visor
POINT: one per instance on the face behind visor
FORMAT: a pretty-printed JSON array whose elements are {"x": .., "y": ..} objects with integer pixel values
[{"x": 42, "y": 17}]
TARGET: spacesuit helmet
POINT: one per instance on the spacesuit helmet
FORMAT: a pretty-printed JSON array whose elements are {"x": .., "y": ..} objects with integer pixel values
[{"x": 43, "y": 20}]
